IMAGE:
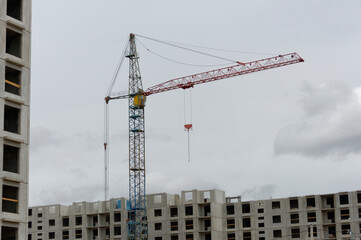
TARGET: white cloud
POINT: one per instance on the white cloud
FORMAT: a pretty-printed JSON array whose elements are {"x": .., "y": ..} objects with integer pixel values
[{"x": 334, "y": 132}]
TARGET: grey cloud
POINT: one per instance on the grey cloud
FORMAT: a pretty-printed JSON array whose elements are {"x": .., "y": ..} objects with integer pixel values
[
  {"x": 41, "y": 137},
  {"x": 334, "y": 133},
  {"x": 324, "y": 97},
  {"x": 259, "y": 192}
]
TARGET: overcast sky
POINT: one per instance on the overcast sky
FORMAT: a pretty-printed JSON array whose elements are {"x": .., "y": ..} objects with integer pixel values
[{"x": 284, "y": 132}]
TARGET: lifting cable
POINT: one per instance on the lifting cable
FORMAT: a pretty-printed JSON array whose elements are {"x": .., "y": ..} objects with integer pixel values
[
  {"x": 188, "y": 64},
  {"x": 188, "y": 49},
  {"x": 106, "y": 123},
  {"x": 188, "y": 126}
]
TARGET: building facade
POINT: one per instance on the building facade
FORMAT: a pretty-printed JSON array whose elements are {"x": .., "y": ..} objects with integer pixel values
[
  {"x": 205, "y": 215},
  {"x": 15, "y": 32}
]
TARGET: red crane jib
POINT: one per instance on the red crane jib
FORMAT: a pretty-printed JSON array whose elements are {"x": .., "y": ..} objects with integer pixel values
[{"x": 226, "y": 72}]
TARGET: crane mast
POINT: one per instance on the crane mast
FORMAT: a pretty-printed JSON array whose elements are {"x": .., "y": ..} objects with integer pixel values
[{"x": 137, "y": 222}]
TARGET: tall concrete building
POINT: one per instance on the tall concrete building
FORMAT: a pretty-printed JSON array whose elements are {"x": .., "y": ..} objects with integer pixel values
[
  {"x": 15, "y": 32},
  {"x": 206, "y": 215}
]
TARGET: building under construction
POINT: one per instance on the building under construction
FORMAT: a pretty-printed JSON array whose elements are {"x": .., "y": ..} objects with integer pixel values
[
  {"x": 15, "y": 32},
  {"x": 205, "y": 215}
]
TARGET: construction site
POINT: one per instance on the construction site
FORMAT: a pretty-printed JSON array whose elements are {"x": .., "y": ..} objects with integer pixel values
[{"x": 191, "y": 214}]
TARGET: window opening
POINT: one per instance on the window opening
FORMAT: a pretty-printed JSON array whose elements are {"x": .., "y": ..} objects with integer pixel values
[
  {"x": 247, "y": 235},
  {"x": 314, "y": 232},
  {"x": 295, "y": 218},
  {"x": 78, "y": 220},
  {"x": 276, "y": 205},
  {"x": 189, "y": 237},
  {"x": 65, "y": 222},
  {"x": 12, "y": 80},
  {"x": 157, "y": 226},
  {"x": 52, "y": 235},
  {"x": 13, "y": 9},
  {"x": 311, "y": 202},
  {"x": 344, "y": 199},
  {"x": 230, "y": 224},
  {"x": 246, "y": 222},
  {"x": 65, "y": 234},
  {"x": 117, "y": 231},
  {"x": 157, "y": 212},
  {"x": 117, "y": 217},
  {"x": 260, "y": 225},
  {"x": 231, "y": 236},
  {"x": 9, "y": 233},
  {"x": 277, "y": 233},
  {"x": 10, "y": 199},
  {"x": 246, "y": 208},
  {"x": 11, "y": 159},
  {"x": 345, "y": 228},
  {"x": 174, "y": 237},
  {"x": 51, "y": 222},
  {"x": 295, "y": 233},
  {"x": 230, "y": 209},
  {"x": 358, "y": 197},
  {"x": 13, "y": 43},
  {"x": 174, "y": 212},
  {"x": 189, "y": 224},
  {"x": 311, "y": 217},
  {"x": 174, "y": 226},
  {"x": 276, "y": 219},
  {"x": 294, "y": 203},
  {"x": 260, "y": 210},
  {"x": 345, "y": 214},
  {"x": 189, "y": 210},
  {"x": 11, "y": 119}
]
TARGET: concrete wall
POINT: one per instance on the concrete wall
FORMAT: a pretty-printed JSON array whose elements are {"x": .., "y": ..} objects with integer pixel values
[{"x": 15, "y": 219}]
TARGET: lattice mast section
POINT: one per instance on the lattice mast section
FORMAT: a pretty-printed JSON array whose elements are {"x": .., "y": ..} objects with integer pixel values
[{"x": 137, "y": 225}]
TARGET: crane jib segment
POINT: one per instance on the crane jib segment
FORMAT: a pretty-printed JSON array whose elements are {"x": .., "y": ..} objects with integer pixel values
[{"x": 226, "y": 72}]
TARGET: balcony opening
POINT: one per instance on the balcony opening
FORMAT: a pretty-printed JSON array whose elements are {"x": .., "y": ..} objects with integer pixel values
[
  {"x": 9, "y": 233},
  {"x": 12, "y": 80},
  {"x": 246, "y": 208},
  {"x": 293, "y": 203},
  {"x": 10, "y": 199},
  {"x": 207, "y": 210},
  {"x": 174, "y": 212},
  {"x": 332, "y": 232},
  {"x": 207, "y": 225},
  {"x": 344, "y": 199},
  {"x": 208, "y": 236},
  {"x": 11, "y": 119},
  {"x": 14, "y": 8},
  {"x": 331, "y": 216},
  {"x": 11, "y": 159},
  {"x": 13, "y": 43}
]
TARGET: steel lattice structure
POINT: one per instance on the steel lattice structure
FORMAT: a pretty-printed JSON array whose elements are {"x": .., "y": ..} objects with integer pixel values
[{"x": 137, "y": 222}]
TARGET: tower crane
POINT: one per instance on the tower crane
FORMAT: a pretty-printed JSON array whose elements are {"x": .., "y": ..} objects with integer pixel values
[{"x": 136, "y": 95}]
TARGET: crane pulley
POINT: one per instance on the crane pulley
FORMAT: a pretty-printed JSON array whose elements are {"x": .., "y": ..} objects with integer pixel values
[{"x": 137, "y": 222}]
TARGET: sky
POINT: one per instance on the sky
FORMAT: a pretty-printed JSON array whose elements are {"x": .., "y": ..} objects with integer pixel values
[{"x": 290, "y": 131}]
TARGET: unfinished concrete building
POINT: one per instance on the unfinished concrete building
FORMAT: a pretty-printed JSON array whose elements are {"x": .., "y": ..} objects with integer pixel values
[
  {"x": 15, "y": 29},
  {"x": 205, "y": 215}
]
